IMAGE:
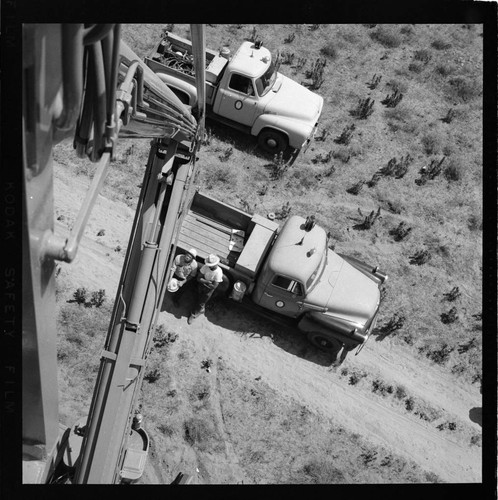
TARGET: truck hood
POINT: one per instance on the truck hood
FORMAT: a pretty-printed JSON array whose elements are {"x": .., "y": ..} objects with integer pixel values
[
  {"x": 346, "y": 292},
  {"x": 306, "y": 105}
]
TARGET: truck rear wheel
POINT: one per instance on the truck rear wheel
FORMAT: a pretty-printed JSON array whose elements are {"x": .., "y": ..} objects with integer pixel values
[
  {"x": 272, "y": 141},
  {"x": 324, "y": 342}
]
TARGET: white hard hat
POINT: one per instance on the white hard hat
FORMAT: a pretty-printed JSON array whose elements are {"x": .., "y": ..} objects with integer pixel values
[
  {"x": 212, "y": 260},
  {"x": 173, "y": 285},
  {"x": 193, "y": 252}
]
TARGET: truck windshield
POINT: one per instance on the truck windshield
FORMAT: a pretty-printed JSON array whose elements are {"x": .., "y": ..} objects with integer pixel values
[{"x": 265, "y": 82}]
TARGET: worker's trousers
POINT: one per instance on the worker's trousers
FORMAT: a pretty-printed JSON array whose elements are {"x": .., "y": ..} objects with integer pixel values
[{"x": 203, "y": 295}]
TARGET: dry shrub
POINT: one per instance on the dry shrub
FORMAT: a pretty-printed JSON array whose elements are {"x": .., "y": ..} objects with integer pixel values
[
  {"x": 464, "y": 88},
  {"x": 221, "y": 175},
  {"x": 320, "y": 471},
  {"x": 474, "y": 222},
  {"x": 416, "y": 67},
  {"x": 199, "y": 432},
  {"x": 432, "y": 143},
  {"x": 440, "y": 44},
  {"x": 387, "y": 36},
  {"x": 342, "y": 153},
  {"x": 445, "y": 69},
  {"x": 407, "y": 30},
  {"x": 329, "y": 50},
  {"x": 401, "y": 119},
  {"x": 453, "y": 171}
]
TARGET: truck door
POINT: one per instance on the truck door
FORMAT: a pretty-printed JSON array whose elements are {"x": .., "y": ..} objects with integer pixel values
[
  {"x": 282, "y": 294},
  {"x": 239, "y": 101}
]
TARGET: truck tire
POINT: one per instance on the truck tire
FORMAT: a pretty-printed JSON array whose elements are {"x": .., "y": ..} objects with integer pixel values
[
  {"x": 324, "y": 342},
  {"x": 272, "y": 141}
]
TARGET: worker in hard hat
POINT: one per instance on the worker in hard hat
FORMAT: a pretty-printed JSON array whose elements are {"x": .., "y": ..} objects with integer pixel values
[
  {"x": 184, "y": 269},
  {"x": 209, "y": 277}
]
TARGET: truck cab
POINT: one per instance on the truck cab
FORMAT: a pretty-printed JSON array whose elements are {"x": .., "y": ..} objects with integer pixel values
[
  {"x": 252, "y": 92},
  {"x": 304, "y": 279}
]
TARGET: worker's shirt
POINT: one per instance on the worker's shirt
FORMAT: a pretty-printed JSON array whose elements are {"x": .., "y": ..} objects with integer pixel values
[
  {"x": 183, "y": 269},
  {"x": 214, "y": 275}
]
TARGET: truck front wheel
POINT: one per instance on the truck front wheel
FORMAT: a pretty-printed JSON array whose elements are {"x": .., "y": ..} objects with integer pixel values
[
  {"x": 324, "y": 342},
  {"x": 272, "y": 141}
]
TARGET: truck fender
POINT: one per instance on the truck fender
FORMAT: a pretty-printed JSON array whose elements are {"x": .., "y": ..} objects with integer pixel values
[
  {"x": 296, "y": 132},
  {"x": 185, "y": 89},
  {"x": 308, "y": 326}
]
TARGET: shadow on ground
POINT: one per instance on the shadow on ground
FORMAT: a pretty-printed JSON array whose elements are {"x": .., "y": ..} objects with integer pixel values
[
  {"x": 245, "y": 143},
  {"x": 233, "y": 316}
]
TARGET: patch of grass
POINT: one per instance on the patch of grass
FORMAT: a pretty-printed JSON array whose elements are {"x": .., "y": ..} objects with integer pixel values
[
  {"x": 420, "y": 257},
  {"x": 453, "y": 294},
  {"x": 395, "y": 323},
  {"x": 356, "y": 376},
  {"x": 380, "y": 387},
  {"x": 98, "y": 298},
  {"x": 364, "y": 109},
  {"x": 432, "y": 143},
  {"x": 345, "y": 137},
  {"x": 400, "y": 232},
  {"x": 278, "y": 166},
  {"x": 453, "y": 172},
  {"x": 401, "y": 118},
  {"x": 440, "y": 44},
  {"x": 290, "y": 37},
  {"x": 430, "y": 172},
  {"x": 394, "y": 168},
  {"x": 166, "y": 429},
  {"x": 341, "y": 153},
  {"x": 387, "y": 36},
  {"x": 464, "y": 88},
  {"x": 163, "y": 337},
  {"x": 449, "y": 317},
  {"x": 329, "y": 50},
  {"x": 445, "y": 69},
  {"x": 416, "y": 67},
  {"x": 356, "y": 188},
  {"x": 423, "y": 55},
  {"x": 80, "y": 295},
  {"x": 407, "y": 29},
  {"x": 315, "y": 74},
  {"x": 221, "y": 175},
  {"x": 199, "y": 432},
  {"x": 368, "y": 221},
  {"x": 321, "y": 471},
  {"x": 374, "y": 82},
  {"x": 393, "y": 99},
  {"x": 474, "y": 222},
  {"x": 152, "y": 375},
  {"x": 439, "y": 354}
]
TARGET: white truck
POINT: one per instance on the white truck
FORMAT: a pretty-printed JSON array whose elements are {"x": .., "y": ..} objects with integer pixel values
[{"x": 243, "y": 90}]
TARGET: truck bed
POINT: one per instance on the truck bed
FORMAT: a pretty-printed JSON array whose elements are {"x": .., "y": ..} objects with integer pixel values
[
  {"x": 241, "y": 240},
  {"x": 207, "y": 236}
]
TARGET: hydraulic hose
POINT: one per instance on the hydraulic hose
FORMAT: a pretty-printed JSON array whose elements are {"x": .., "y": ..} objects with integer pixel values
[
  {"x": 72, "y": 74},
  {"x": 96, "y": 32}
]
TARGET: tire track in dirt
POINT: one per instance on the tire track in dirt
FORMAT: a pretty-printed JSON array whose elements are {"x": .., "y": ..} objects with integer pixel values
[{"x": 318, "y": 389}]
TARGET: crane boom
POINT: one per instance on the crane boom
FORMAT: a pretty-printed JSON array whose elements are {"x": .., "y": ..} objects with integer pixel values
[{"x": 83, "y": 79}]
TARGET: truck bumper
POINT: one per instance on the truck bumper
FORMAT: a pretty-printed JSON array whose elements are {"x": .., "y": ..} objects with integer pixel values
[{"x": 307, "y": 142}]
